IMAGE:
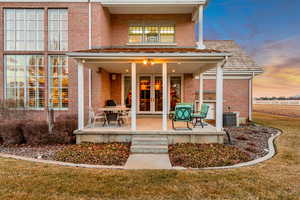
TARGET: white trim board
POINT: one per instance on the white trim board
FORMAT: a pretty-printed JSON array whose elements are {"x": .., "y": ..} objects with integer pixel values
[
  {"x": 228, "y": 77},
  {"x": 115, "y": 2},
  {"x": 44, "y": 1}
]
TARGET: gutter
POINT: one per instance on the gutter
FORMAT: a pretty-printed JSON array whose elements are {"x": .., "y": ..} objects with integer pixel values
[{"x": 118, "y": 55}]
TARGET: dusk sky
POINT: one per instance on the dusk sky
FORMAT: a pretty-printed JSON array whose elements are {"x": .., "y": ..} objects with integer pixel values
[{"x": 269, "y": 31}]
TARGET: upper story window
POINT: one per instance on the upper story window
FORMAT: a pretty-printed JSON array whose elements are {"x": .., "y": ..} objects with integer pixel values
[
  {"x": 58, "y": 29},
  {"x": 25, "y": 80},
  {"x": 24, "y": 29},
  {"x": 151, "y": 34}
]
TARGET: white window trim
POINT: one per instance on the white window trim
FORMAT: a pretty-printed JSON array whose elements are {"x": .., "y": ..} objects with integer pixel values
[
  {"x": 59, "y": 30},
  {"x": 26, "y": 30},
  {"x": 26, "y": 107},
  {"x": 49, "y": 85},
  {"x": 156, "y": 24}
]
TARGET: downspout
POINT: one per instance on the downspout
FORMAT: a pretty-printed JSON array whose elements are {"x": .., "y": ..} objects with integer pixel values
[
  {"x": 251, "y": 96},
  {"x": 90, "y": 46}
]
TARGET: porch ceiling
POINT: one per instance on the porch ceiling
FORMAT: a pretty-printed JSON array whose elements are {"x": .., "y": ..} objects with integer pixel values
[
  {"x": 173, "y": 68},
  {"x": 151, "y": 7}
]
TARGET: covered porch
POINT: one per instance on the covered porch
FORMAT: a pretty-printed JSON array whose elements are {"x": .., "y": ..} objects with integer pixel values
[{"x": 149, "y": 110}]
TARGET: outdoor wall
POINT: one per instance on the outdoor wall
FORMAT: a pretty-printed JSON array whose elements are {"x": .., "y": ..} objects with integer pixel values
[
  {"x": 190, "y": 88},
  {"x": 101, "y": 26},
  {"x": 236, "y": 95},
  {"x": 184, "y": 27},
  {"x": 105, "y": 87},
  {"x": 116, "y": 89},
  {"x": 78, "y": 39}
]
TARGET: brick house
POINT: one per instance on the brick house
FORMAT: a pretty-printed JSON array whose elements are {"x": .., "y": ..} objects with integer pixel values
[{"x": 74, "y": 54}]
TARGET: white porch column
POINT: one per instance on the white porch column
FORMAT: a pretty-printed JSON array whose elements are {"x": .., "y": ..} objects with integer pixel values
[
  {"x": 165, "y": 96},
  {"x": 133, "y": 96},
  {"x": 200, "y": 89},
  {"x": 219, "y": 97},
  {"x": 200, "y": 43},
  {"x": 80, "y": 94}
]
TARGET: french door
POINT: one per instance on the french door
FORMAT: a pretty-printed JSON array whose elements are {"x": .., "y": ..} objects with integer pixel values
[{"x": 150, "y": 94}]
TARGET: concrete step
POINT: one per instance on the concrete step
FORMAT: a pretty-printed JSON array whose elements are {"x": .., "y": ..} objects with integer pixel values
[
  {"x": 155, "y": 149},
  {"x": 149, "y": 141}
]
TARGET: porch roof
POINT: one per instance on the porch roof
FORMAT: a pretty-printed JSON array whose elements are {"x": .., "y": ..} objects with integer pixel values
[{"x": 149, "y": 52}]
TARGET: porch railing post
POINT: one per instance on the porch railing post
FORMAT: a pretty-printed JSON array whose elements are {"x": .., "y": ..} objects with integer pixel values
[
  {"x": 80, "y": 94},
  {"x": 133, "y": 96},
  {"x": 200, "y": 43},
  {"x": 219, "y": 97},
  {"x": 200, "y": 90},
  {"x": 165, "y": 97}
]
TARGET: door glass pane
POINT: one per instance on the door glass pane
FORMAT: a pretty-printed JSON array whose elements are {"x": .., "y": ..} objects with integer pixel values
[
  {"x": 145, "y": 93},
  {"x": 158, "y": 94},
  {"x": 175, "y": 92},
  {"x": 127, "y": 91}
]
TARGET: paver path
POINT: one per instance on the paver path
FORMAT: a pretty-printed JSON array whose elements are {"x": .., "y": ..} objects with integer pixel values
[{"x": 148, "y": 161}]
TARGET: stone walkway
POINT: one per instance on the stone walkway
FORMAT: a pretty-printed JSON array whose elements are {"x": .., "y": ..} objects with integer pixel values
[{"x": 148, "y": 161}]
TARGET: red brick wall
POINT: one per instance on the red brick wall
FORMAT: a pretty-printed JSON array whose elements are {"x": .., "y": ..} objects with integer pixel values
[
  {"x": 105, "y": 87},
  {"x": 78, "y": 39},
  {"x": 101, "y": 26},
  {"x": 189, "y": 88},
  {"x": 116, "y": 89},
  {"x": 184, "y": 27},
  {"x": 236, "y": 93}
]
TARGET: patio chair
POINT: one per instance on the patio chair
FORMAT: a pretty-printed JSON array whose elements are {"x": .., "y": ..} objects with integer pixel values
[
  {"x": 199, "y": 117},
  {"x": 99, "y": 116},
  {"x": 172, "y": 113},
  {"x": 123, "y": 117},
  {"x": 183, "y": 113}
]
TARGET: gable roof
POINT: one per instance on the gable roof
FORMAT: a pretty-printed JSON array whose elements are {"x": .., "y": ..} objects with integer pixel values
[{"x": 239, "y": 61}]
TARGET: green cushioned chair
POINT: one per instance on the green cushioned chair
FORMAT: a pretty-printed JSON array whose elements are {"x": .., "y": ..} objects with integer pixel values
[
  {"x": 199, "y": 117},
  {"x": 183, "y": 113}
]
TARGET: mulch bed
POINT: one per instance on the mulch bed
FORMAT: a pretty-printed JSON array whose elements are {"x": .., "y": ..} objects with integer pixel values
[
  {"x": 205, "y": 155},
  {"x": 46, "y": 152},
  {"x": 251, "y": 139},
  {"x": 97, "y": 154},
  {"x": 249, "y": 142}
]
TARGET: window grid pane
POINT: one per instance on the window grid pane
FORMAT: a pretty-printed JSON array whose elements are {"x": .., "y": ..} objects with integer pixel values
[
  {"x": 21, "y": 29},
  {"x": 59, "y": 82},
  {"x": 151, "y": 34},
  {"x": 25, "y": 80},
  {"x": 58, "y": 29}
]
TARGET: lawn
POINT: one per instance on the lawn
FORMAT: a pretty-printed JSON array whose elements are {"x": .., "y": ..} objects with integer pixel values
[{"x": 275, "y": 179}]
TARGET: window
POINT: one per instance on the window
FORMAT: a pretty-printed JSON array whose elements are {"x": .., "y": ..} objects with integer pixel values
[
  {"x": 25, "y": 80},
  {"x": 151, "y": 34},
  {"x": 58, "y": 29},
  {"x": 59, "y": 82},
  {"x": 24, "y": 29}
]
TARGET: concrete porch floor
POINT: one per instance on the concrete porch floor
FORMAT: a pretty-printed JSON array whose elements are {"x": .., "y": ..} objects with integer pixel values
[
  {"x": 150, "y": 123},
  {"x": 149, "y": 126}
]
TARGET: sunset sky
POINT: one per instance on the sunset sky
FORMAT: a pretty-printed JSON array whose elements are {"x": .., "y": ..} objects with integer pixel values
[{"x": 269, "y": 31}]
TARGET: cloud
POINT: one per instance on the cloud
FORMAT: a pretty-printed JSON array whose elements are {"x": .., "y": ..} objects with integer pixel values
[{"x": 281, "y": 63}]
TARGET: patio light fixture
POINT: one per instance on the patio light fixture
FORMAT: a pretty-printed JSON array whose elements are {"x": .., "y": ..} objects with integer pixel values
[{"x": 148, "y": 61}]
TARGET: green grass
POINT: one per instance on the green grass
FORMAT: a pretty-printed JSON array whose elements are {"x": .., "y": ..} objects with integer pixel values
[{"x": 274, "y": 179}]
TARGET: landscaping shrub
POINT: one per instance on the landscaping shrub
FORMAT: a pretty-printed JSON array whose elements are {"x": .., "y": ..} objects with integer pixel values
[
  {"x": 11, "y": 132},
  {"x": 17, "y": 130},
  {"x": 36, "y": 132},
  {"x": 63, "y": 129}
]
